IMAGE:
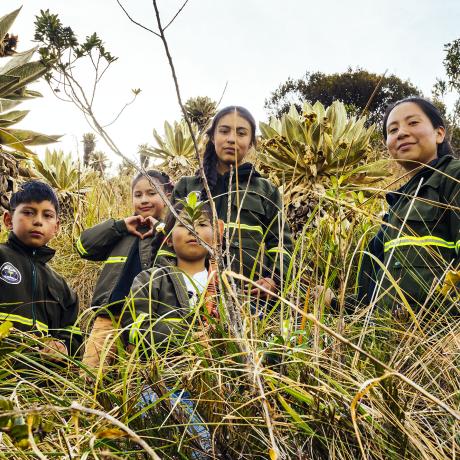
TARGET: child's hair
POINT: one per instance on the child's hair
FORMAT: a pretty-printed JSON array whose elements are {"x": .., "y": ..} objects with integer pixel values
[
  {"x": 34, "y": 191},
  {"x": 160, "y": 176},
  {"x": 432, "y": 112},
  {"x": 210, "y": 156},
  {"x": 170, "y": 222}
]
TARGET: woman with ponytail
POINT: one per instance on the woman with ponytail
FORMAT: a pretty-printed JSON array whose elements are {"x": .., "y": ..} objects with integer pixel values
[{"x": 256, "y": 235}]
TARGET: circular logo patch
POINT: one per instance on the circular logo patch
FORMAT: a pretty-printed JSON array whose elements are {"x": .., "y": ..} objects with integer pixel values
[{"x": 10, "y": 274}]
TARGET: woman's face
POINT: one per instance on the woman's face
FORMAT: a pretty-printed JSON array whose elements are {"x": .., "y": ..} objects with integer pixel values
[
  {"x": 411, "y": 138},
  {"x": 232, "y": 140}
]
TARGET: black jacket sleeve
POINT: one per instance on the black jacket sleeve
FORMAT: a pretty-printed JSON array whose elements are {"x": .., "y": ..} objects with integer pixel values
[
  {"x": 96, "y": 242},
  {"x": 148, "y": 317}
]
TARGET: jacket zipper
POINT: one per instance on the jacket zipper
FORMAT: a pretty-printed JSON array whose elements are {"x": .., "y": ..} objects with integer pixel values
[{"x": 34, "y": 286}]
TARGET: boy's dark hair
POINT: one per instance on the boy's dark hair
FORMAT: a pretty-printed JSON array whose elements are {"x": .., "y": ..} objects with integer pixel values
[
  {"x": 210, "y": 156},
  {"x": 433, "y": 114},
  {"x": 160, "y": 176},
  {"x": 34, "y": 191},
  {"x": 170, "y": 221}
]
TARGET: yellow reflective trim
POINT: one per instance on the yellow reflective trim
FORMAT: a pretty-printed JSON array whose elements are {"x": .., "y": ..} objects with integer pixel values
[
  {"x": 116, "y": 260},
  {"x": 164, "y": 253},
  {"x": 23, "y": 320},
  {"x": 73, "y": 329},
  {"x": 419, "y": 241},
  {"x": 251, "y": 228},
  {"x": 278, "y": 250},
  {"x": 80, "y": 248},
  {"x": 134, "y": 329}
]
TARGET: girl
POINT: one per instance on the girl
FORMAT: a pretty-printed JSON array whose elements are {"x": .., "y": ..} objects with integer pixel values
[
  {"x": 166, "y": 293},
  {"x": 125, "y": 246},
  {"x": 420, "y": 240},
  {"x": 250, "y": 205}
]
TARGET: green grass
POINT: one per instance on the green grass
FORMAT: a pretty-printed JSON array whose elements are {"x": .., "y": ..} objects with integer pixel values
[{"x": 289, "y": 385}]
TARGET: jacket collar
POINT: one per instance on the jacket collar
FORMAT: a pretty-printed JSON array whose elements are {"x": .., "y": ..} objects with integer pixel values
[
  {"x": 42, "y": 254},
  {"x": 426, "y": 172},
  {"x": 245, "y": 171}
]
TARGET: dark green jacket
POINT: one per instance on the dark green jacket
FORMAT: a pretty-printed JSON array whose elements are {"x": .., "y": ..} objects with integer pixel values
[
  {"x": 34, "y": 297},
  {"x": 421, "y": 240},
  {"x": 111, "y": 242},
  {"x": 159, "y": 305},
  {"x": 264, "y": 239}
]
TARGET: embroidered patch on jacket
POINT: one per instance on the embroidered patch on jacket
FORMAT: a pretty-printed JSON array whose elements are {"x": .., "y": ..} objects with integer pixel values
[{"x": 10, "y": 274}]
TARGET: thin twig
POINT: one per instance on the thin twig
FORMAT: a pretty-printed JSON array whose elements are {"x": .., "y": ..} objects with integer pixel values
[
  {"x": 175, "y": 16},
  {"x": 135, "y": 22}
]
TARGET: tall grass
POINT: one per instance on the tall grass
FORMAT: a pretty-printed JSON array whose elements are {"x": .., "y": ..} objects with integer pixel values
[{"x": 292, "y": 385}]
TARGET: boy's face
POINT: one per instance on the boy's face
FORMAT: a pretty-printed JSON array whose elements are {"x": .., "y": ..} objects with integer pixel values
[
  {"x": 33, "y": 223},
  {"x": 185, "y": 243}
]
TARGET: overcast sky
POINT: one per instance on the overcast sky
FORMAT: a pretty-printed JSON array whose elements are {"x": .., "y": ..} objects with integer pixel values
[{"x": 252, "y": 44}]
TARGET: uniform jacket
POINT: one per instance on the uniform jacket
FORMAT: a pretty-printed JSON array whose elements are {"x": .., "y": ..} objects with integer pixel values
[
  {"x": 111, "y": 242},
  {"x": 421, "y": 240},
  {"x": 33, "y": 296},
  {"x": 159, "y": 305},
  {"x": 263, "y": 237}
]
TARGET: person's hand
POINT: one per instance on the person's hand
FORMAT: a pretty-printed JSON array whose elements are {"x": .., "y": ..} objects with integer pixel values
[
  {"x": 53, "y": 349},
  {"x": 267, "y": 283},
  {"x": 327, "y": 295},
  {"x": 133, "y": 222},
  {"x": 151, "y": 222}
]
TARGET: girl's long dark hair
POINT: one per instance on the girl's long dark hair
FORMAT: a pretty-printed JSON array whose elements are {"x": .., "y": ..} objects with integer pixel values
[
  {"x": 160, "y": 176},
  {"x": 210, "y": 156},
  {"x": 434, "y": 115}
]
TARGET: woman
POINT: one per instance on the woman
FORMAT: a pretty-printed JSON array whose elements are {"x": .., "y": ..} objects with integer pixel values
[
  {"x": 420, "y": 240},
  {"x": 250, "y": 205}
]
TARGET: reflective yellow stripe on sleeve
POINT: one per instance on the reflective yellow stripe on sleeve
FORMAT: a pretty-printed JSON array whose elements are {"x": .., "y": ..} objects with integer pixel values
[
  {"x": 80, "y": 248},
  {"x": 251, "y": 228},
  {"x": 116, "y": 260},
  {"x": 134, "y": 328},
  {"x": 164, "y": 253},
  {"x": 42, "y": 327},
  {"x": 420, "y": 241}
]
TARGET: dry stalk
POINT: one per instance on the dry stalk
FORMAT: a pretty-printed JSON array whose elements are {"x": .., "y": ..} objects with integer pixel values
[{"x": 454, "y": 413}]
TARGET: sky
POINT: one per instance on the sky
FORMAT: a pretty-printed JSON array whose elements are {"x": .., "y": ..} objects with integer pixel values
[{"x": 249, "y": 45}]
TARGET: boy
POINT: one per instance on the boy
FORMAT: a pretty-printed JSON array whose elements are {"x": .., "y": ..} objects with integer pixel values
[{"x": 32, "y": 296}]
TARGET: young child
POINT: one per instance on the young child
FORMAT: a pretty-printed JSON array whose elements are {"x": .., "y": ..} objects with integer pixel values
[
  {"x": 164, "y": 295},
  {"x": 32, "y": 296},
  {"x": 126, "y": 247}
]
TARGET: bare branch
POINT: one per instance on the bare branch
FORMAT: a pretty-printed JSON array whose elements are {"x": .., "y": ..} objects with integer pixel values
[
  {"x": 175, "y": 16},
  {"x": 120, "y": 112},
  {"x": 135, "y": 22}
]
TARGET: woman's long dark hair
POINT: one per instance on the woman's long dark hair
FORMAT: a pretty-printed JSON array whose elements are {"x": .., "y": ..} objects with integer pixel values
[
  {"x": 432, "y": 112},
  {"x": 210, "y": 156}
]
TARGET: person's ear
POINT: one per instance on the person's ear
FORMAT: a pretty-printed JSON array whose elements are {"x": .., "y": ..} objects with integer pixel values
[
  {"x": 440, "y": 134},
  {"x": 58, "y": 226},
  {"x": 169, "y": 242},
  {"x": 8, "y": 220}
]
